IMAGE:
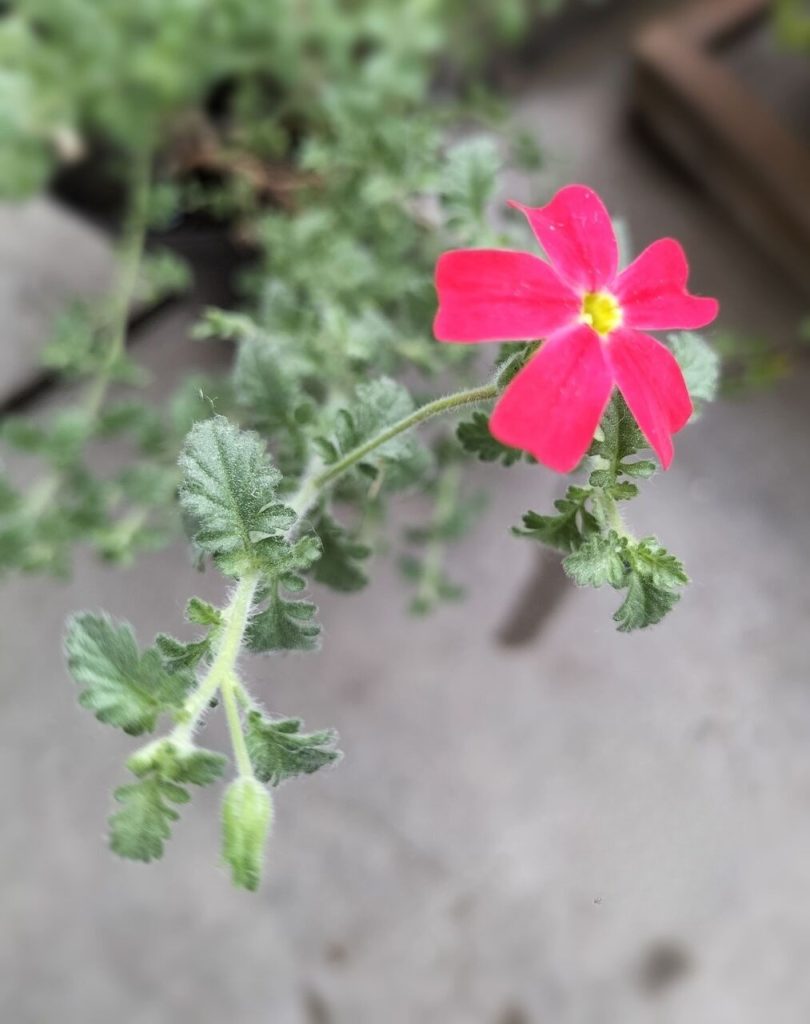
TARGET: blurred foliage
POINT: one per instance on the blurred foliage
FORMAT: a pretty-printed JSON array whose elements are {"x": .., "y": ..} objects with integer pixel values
[
  {"x": 793, "y": 23},
  {"x": 126, "y": 72}
]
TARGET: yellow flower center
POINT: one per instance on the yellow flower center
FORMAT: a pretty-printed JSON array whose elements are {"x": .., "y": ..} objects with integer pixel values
[{"x": 601, "y": 311}]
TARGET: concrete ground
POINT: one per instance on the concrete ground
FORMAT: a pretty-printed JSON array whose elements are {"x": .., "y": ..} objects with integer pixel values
[{"x": 587, "y": 828}]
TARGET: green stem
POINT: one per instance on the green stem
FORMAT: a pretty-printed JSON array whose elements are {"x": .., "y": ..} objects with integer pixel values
[
  {"x": 230, "y": 693},
  {"x": 311, "y": 487},
  {"x": 134, "y": 236},
  {"x": 132, "y": 246},
  {"x": 223, "y": 667},
  {"x": 607, "y": 512}
]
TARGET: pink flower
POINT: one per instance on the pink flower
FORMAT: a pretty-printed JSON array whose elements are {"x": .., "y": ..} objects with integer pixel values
[{"x": 593, "y": 319}]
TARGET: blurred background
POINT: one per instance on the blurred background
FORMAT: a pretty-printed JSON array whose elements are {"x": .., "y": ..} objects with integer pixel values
[{"x": 537, "y": 819}]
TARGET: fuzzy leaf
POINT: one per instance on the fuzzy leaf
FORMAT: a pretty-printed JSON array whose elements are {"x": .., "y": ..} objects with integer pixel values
[
  {"x": 475, "y": 437},
  {"x": 656, "y": 562},
  {"x": 699, "y": 364},
  {"x": 192, "y": 765},
  {"x": 178, "y": 655},
  {"x": 284, "y": 626},
  {"x": 279, "y": 750},
  {"x": 120, "y": 685},
  {"x": 568, "y": 528},
  {"x": 378, "y": 405},
  {"x": 202, "y": 613},
  {"x": 468, "y": 182},
  {"x": 262, "y": 384},
  {"x": 140, "y": 828},
  {"x": 654, "y": 580},
  {"x": 598, "y": 561},
  {"x": 645, "y": 604},
  {"x": 339, "y": 565},
  {"x": 620, "y": 435},
  {"x": 229, "y": 491}
]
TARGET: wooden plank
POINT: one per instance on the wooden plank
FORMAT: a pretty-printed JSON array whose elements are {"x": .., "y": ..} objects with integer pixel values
[{"x": 722, "y": 132}]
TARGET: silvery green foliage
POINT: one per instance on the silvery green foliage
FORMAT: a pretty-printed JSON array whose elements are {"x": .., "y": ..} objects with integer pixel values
[{"x": 587, "y": 525}]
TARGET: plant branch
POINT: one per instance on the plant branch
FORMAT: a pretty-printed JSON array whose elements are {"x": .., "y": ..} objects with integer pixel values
[
  {"x": 134, "y": 236},
  {"x": 132, "y": 247},
  {"x": 223, "y": 667},
  {"x": 230, "y": 694},
  {"x": 316, "y": 482}
]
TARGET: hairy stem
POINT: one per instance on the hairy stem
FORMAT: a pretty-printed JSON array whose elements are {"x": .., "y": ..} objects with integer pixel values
[
  {"x": 316, "y": 482},
  {"x": 230, "y": 696},
  {"x": 605, "y": 506},
  {"x": 222, "y": 670}
]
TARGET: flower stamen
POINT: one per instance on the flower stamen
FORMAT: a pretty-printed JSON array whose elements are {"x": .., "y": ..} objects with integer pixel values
[{"x": 602, "y": 312}]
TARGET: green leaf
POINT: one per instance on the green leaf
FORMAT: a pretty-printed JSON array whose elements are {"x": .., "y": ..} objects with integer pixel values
[
  {"x": 120, "y": 685},
  {"x": 655, "y": 577},
  {"x": 279, "y": 750},
  {"x": 247, "y": 815},
  {"x": 475, "y": 437},
  {"x": 177, "y": 655},
  {"x": 645, "y": 604},
  {"x": 657, "y": 564},
  {"x": 468, "y": 182},
  {"x": 339, "y": 565},
  {"x": 379, "y": 404},
  {"x": 569, "y": 528},
  {"x": 619, "y": 436},
  {"x": 598, "y": 561},
  {"x": 203, "y": 613},
  {"x": 140, "y": 828},
  {"x": 622, "y": 491},
  {"x": 642, "y": 468},
  {"x": 263, "y": 384},
  {"x": 699, "y": 363},
  {"x": 280, "y": 560},
  {"x": 229, "y": 491},
  {"x": 283, "y": 626},
  {"x": 191, "y": 765}
]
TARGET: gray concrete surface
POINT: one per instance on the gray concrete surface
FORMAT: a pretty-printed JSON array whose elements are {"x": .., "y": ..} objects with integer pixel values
[
  {"x": 588, "y": 829},
  {"x": 48, "y": 255}
]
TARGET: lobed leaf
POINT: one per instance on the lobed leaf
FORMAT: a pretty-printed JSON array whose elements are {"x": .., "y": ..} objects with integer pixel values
[
  {"x": 339, "y": 566},
  {"x": 279, "y": 750},
  {"x": 139, "y": 830},
  {"x": 599, "y": 560},
  {"x": 228, "y": 491},
  {"x": 121, "y": 686},
  {"x": 700, "y": 366},
  {"x": 475, "y": 437},
  {"x": 566, "y": 530},
  {"x": 283, "y": 626}
]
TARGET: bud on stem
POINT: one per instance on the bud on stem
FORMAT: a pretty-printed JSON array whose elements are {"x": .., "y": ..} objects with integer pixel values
[{"x": 247, "y": 814}]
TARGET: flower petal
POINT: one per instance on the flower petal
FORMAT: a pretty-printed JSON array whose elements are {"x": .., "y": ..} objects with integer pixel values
[
  {"x": 652, "y": 291},
  {"x": 553, "y": 406},
  {"x": 576, "y": 232},
  {"x": 497, "y": 295},
  {"x": 648, "y": 376}
]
